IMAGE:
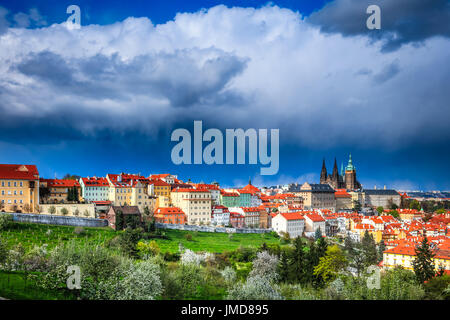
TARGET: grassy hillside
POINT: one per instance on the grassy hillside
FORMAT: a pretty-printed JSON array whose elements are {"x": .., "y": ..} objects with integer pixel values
[
  {"x": 29, "y": 235},
  {"x": 212, "y": 242}
]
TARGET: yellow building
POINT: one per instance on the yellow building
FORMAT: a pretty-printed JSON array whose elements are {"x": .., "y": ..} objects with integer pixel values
[
  {"x": 19, "y": 188},
  {"x": 317, "y": 196},
  {"x": 404, "y": 254},
  {"x": 159, "y": 188},
  {"x": 195, "y": 203},
  {"x": 131, "y": 193},
  {"x": 58, "y": 190}
]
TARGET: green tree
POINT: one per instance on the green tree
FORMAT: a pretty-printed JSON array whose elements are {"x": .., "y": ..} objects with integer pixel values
[
  {"x": 381, "y": 249},
  {"x": 128, "y": 241},
  {"x": 64, "y": 211},
  {"x": 297, "y": 261},
  {"x": 394, "y": 213},
  {"x": 52, "y": 210},
  {"x": 380, "y": 210},
  {"x": 119, "y": 220},
  {"x": 5, "y": 221},
  {"x": 369, "y": 249},
  {"x": 322, "y": 246},
  {"x": 318, "y": 234},
  {"x": 414, "y": 204},
  {"x": 423, "y": 263},
  {"x": 440, "y": 211},
  {"x": 357, "y": 205},
  {"x": 283, "y": 268},
  {"x": 331, "y": 264},
  {"x": 3, "y": 251}
]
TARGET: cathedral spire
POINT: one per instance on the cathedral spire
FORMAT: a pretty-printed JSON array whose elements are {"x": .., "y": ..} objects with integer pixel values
[
  {"x": 249, "y": 181},
  {"x": 342, "y": 169},
  {"x": 323, "y": 173},
  {"x": 350, "y": 166},
  {"x": 335, "y": 173}
]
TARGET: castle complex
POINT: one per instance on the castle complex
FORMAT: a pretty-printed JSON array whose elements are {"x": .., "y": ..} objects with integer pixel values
[{"x": 344, "y": 180}]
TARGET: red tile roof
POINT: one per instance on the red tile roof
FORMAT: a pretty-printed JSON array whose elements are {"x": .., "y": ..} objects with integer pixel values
[
  {"x": 95, "y": 182},
  {"x": 19, "y": 172},
  {"x": 292, "y": 216},
  {"x": 315, "y": 217},
  {"x": 168, "y": 210},
  {"x": 61, "y": 183}
]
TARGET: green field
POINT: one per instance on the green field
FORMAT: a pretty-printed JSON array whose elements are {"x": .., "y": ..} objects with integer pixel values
[
  {"x": 212, "y": 242},
  {"x": 29, "y": 235},
  {"x": 13, "y": 285}
]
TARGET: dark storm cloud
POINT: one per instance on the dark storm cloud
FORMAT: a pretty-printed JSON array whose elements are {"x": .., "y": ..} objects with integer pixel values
[
  {"x": 402, "y": 21},
  {"x": 178, "y": 77}
]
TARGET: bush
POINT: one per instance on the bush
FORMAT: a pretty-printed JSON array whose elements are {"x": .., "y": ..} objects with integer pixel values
[
  {"x": 171, "y": 257},
  {"x": 265, "y": 265},
  {"x": 79, "y": 230},
  {"x": 436, "y": 286},
  {"x": 188, "y": 237},
  {"x": 5, "y": 221},
  {"x": 255, "y": 288}
]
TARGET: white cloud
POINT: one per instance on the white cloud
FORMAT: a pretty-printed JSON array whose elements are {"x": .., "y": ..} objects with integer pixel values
[{"x": 235, "y": 67}]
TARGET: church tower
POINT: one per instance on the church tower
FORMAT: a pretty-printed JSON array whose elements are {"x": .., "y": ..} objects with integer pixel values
[
  {"x": 350, "y": 176},
  {"x": 323, "y": 173}
]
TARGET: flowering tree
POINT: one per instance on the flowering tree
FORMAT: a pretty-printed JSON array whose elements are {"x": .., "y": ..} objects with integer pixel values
[
  {"x": 265, "y": 265},
  {"x": 229, "y": 275},
  {"x": 255, "y": 288},
  {"x": 190, "y": 257},
  {"x": 141, "y": 282}
]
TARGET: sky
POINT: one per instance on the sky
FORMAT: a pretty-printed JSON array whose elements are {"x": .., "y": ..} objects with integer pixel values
[{"x": 105, "y": 98}]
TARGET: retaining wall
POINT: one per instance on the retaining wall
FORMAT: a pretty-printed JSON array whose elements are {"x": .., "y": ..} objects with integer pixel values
[
  {"x": 210, "y": 229},
  {"x": 58, "y": 220}
]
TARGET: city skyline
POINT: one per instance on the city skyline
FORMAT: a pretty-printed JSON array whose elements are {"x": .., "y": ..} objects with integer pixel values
[{"x": 106, "y": 97}]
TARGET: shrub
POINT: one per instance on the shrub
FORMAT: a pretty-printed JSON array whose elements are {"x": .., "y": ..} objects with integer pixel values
[
  {"x": 265, "y": 265},
  {"x": 79, "y": 230},
  {"x": 64, "y": 211},
  {"x": 255, "y": 288},
  {"x": 5, "y": 221},
  {"x": 188, "y": 237},
  {"x": 229, "y": 275},
  {"x": 52, "y": 210}
]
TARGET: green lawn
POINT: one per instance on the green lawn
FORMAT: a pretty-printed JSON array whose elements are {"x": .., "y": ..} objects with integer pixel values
[
  {"x": 13, "y": 286},
  {"x": 212, "y": 242},
  {"x": 29, "y": 235}
]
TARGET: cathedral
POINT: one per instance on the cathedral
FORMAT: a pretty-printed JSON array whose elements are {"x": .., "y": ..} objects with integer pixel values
[{"x": 344, "y": 180}]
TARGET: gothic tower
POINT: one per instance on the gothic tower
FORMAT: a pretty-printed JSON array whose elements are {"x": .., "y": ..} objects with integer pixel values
[
  {"x": 323, "y": 173},
  {"x": 350, "y": 176}
]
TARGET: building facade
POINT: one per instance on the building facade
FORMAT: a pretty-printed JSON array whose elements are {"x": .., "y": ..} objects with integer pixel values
[
  {"x": 343, "y": 180},
  {"x": 195, "y": 203},
  {"x": 19, "y": 188}
]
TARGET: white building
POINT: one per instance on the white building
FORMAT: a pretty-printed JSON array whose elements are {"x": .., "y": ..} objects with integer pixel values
[
  {"x": 220, "y": 216},
  {"x": 290, "y": 223},
  {"x": 313, "y": 222},
  {"x": 94, "y": 189},
  {"x": 251, "y": 215}
]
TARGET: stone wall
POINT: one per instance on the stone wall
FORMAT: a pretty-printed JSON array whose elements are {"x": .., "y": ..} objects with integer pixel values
[
  {"x": 85, "y": 210},
  {"x": 209, "y": 228},
  {"x": 58, "y": 220}
]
